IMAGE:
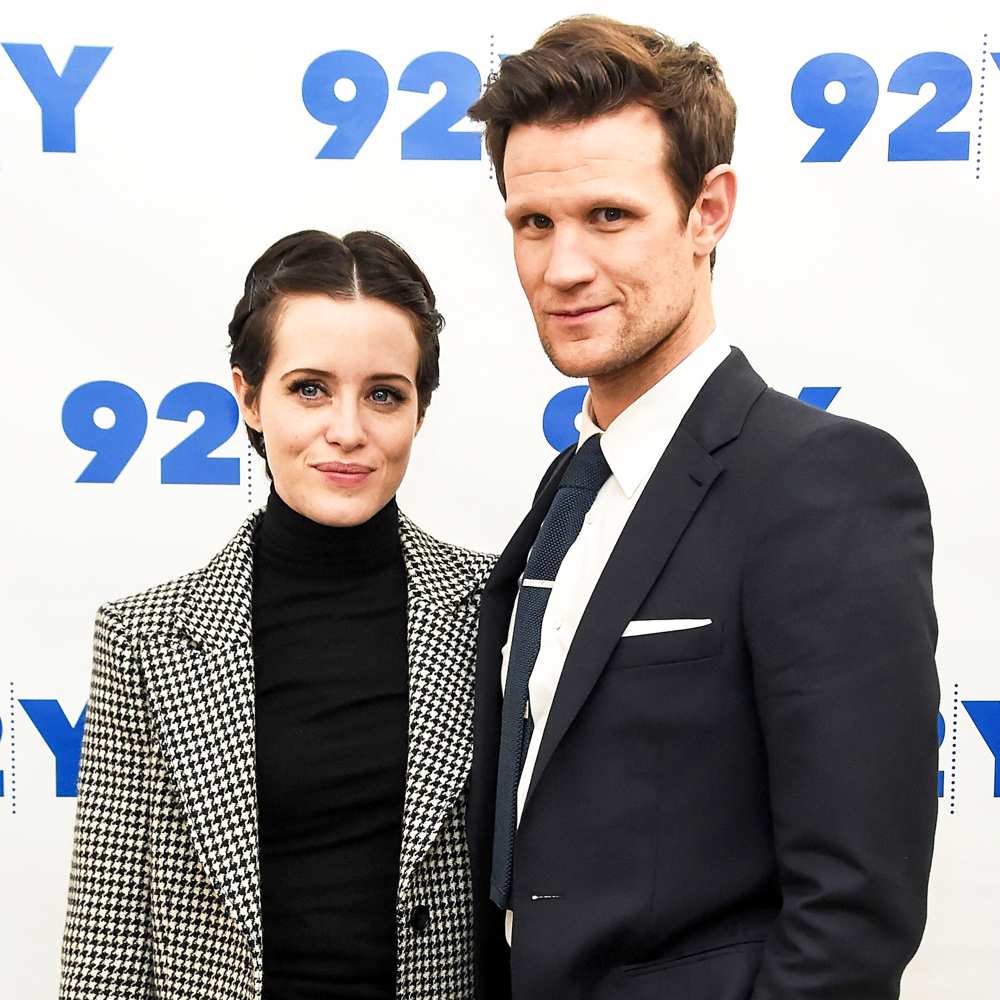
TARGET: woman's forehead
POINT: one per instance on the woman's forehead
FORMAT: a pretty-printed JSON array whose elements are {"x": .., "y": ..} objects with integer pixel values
[{"x": 344, "y": 336}]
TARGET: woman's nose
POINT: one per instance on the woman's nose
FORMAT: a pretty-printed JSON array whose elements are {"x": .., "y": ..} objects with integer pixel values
[{"x": 345, "y": 427}]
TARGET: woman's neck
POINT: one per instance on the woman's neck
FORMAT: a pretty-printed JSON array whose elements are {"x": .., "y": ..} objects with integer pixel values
[{"x": 291, "y": 539}]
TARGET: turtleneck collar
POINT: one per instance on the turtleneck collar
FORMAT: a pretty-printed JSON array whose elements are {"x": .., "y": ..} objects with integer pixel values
[{"x": 289, "y": 539}]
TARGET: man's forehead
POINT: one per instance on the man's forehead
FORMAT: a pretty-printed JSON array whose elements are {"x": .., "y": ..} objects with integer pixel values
[
  {"x": 615, "y": 142},
  {"x": 579, "y": 185}
]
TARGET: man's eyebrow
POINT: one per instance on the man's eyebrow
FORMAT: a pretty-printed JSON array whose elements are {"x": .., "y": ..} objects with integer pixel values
[
  {"x": 516, "y": 207},
  {"x": 609, "y": 198}
]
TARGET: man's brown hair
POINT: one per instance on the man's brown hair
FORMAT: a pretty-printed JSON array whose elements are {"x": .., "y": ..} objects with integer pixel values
[{"x": 588, "y": 66}]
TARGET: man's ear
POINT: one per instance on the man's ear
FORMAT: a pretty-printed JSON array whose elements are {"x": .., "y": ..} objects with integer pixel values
[
  {"x": 713, "y": 211},
  {"x": 249, "y": 411}
]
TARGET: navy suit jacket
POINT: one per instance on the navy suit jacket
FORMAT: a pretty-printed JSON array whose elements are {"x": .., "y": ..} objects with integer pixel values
[{"x": 742, "y": 811}]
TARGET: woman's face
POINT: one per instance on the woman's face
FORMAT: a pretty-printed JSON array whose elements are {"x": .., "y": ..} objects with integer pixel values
[{"x": 337, "y": 405}]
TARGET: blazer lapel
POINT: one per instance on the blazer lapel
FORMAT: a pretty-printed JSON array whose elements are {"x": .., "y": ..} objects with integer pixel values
[
  {"x": 501, "y": 588},
  {"x": 441, "y": 628},
  {"x": 494, "y": 622},
  {"x": 682, "y": 479},
  {"x": 201, "y": 689}
]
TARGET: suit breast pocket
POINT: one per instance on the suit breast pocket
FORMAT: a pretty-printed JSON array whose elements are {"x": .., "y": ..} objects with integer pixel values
[{"x": 648, "y": 642}]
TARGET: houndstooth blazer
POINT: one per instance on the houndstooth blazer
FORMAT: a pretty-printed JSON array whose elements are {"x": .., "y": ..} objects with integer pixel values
[{"x": 164, "y": 897}]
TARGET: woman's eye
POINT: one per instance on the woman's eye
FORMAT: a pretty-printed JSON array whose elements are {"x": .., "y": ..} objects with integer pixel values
[
  {"x": 307, "y": 390},
  {"x": 385, "y": 397},
  {"x": 610, "y": 214}
]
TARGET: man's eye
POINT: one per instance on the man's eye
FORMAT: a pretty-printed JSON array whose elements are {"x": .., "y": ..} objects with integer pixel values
[
  {"x": 538, "y": 221},
  {"x": 610, "y": 214}
]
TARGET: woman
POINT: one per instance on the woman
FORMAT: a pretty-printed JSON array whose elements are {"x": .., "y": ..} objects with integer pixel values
[{"x": 271, "y": 790}]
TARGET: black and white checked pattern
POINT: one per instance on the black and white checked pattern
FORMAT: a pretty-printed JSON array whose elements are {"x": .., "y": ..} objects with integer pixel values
[{"x": 164, "y": 896}]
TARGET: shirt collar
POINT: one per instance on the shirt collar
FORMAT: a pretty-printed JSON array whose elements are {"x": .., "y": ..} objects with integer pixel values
[{"x": 635, "y": 440}]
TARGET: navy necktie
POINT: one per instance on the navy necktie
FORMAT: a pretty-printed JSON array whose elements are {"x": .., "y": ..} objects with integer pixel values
[{"x": 584, "y": 476}]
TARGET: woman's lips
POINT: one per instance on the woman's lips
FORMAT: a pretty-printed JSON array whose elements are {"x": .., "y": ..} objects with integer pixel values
[{"x": 343, "y": 473}]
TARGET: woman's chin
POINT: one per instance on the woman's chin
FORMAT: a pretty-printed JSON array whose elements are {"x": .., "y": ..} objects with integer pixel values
[{"x": 339, "y": 508}]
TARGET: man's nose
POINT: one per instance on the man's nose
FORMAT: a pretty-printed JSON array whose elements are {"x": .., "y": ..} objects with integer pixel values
[{"x": 570, "y": 262}]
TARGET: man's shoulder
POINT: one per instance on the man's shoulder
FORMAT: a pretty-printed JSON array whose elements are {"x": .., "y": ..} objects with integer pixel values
[
  {"x": 789, "y": 446},
  {"x": 788, "y": 424}
]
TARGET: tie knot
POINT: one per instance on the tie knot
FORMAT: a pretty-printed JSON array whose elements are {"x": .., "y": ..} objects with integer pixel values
[{"x": 588, "y": 469}]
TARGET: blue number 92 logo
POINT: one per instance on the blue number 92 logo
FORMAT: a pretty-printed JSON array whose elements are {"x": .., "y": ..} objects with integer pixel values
[
  {"x": 919, "y": 137},
  {"x": 190, "y": 462},
  {"x": 355, "y": 116}
]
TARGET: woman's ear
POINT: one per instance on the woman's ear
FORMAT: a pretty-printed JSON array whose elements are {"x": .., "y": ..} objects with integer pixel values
[{"x": 244, "y": 392}]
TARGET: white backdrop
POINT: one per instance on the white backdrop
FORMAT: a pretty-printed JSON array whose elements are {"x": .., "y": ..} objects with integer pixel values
[{"x": 194, "y": 150}]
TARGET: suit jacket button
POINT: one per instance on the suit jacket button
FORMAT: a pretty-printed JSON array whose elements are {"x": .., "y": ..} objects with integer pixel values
[{"x": 420, "y": 917}]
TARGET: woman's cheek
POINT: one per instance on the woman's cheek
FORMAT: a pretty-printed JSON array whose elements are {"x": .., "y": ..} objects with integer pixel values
[
  {"x": 404, "y": 438},
  {"x": 303, "y": 427}
]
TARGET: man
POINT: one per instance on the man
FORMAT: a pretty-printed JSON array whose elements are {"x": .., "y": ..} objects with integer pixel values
[{"x": 705, "y": 754}]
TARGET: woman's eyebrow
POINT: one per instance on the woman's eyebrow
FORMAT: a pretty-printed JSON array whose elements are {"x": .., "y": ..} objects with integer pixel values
[
  {"x": 308, "y": 371},
  {"x": 375, "y": 377}
]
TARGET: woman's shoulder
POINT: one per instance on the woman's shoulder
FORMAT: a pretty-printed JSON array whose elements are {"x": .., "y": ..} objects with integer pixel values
[
  {"x": 136, "y": 613},
  {"x": 450, "y": 567},
  {"x": 161, "y": 607}
]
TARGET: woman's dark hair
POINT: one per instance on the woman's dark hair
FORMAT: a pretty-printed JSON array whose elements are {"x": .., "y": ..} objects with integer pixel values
[{"x": 361, "y": 265}]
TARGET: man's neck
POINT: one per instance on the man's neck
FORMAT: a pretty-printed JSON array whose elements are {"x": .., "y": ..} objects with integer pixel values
[{"x": 611, "y": 395}]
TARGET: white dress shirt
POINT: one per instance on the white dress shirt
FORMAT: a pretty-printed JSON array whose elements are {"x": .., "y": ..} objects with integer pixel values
[{"x": 632, "y": 445}]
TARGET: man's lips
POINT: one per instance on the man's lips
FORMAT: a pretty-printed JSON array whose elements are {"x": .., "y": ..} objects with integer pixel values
[{"x": 582, "y": 313}]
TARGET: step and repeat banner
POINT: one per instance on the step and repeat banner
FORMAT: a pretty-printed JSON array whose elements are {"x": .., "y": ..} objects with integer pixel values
[{"x": 148, "y": 154}]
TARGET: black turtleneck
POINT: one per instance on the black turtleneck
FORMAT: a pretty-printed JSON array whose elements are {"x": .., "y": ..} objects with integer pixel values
[{"x": 329, "y": 644}]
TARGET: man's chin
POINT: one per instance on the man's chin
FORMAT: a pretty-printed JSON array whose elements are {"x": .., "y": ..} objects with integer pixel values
[{"x": 586, "y": 363}]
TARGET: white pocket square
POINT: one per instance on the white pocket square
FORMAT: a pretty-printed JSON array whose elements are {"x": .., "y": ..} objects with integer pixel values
[{"x": 651, "y": 626}]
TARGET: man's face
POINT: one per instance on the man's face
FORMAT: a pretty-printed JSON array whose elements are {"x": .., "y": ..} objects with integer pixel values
[{"x": 603, "y": 251}]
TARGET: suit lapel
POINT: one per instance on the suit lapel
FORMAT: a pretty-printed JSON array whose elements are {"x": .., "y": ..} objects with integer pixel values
[
  {"x": 494, "y": 622},
  {"x": 501, "y": 588},
  {"x": 441, "y": 627},
  {"x": 201, "y": 689},
  {"x": 681, "y": 481}
]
